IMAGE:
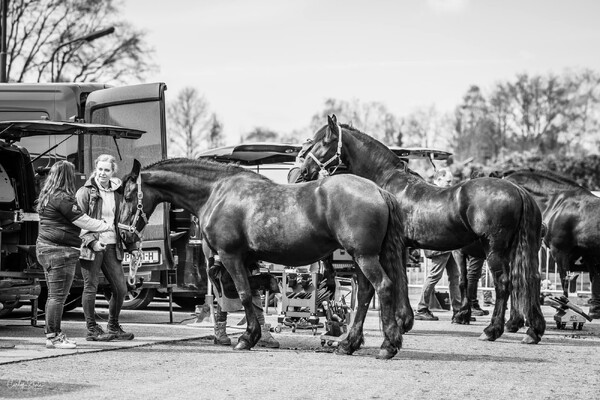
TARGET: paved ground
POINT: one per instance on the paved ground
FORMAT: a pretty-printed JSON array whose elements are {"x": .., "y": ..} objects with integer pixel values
[{"x": 439, "y": 360}]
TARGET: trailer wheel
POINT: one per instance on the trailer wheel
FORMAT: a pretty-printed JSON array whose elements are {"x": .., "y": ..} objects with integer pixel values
[
  {"x": 72, "y": 302},
  {"x": 5, "y": 311},
  {"x": 137, "y": 299}
]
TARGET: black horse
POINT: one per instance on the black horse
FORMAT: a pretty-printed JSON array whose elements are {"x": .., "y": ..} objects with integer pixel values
[
  {"x": 571, "y": 214},
  {"x": 496, "y": 215},
  {"x": 245, "y": 217}
]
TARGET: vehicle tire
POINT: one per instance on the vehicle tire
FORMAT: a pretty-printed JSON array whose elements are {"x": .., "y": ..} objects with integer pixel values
[
  {"x": 188, "y": 303},
  {"x": 6, "y": 311},
  {"x": 73, "y": 299},
  {"x": 137, "y": 299}
]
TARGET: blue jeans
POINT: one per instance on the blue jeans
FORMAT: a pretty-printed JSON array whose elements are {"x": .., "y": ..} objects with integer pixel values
[
  {"x": 59, "y": 268},
  {"x": 107, "y": 262},
  {"x": 439, "y": 263}
]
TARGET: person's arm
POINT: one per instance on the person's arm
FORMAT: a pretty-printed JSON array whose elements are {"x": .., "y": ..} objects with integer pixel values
[
  {"x": 70, "y": 209},
  {"x": 91, "y": 224},
  {"x": 88, "y": 237}
]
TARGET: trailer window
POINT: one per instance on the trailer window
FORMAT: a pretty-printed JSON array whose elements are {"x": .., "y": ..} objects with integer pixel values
[
  {"x": 147, "y": 150},
  {"x": 37, "y": 145}
]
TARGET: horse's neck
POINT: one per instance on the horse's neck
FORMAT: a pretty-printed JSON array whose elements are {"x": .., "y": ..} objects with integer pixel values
[
  {"x": 186, "y": 191},
  {"x": 371, "y": 163},
  {"x": 545, "y": 190}
]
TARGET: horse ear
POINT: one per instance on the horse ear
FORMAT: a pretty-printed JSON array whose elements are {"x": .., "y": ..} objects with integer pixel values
[
  {"x": 135, "y": 171},
  {"x": 333, "y": 127}
]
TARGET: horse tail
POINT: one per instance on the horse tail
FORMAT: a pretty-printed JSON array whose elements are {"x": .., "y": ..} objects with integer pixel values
[
  {"x": 525, "y": 274},
  {"x": 391, "y": 256}
]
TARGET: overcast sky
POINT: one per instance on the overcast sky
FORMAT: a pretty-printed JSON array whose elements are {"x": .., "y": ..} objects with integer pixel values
[{"x": 272, "y": 63}]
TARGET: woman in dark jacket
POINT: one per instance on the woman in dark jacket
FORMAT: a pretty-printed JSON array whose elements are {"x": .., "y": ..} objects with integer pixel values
[{"x": 58, "y": 244}]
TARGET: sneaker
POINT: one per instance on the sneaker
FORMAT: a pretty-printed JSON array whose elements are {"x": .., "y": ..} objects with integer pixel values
[
  {"x": 97, "y": 334},
  {"x": 119, "y": 333},
  {"x": 425, "y": 315},
  {"x": 594, "y": 312},
  {"x": 60, "y": 341}
]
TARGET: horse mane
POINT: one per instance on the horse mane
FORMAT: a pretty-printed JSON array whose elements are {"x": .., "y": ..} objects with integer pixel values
[
  {"x": 186, "y": 165},
  {"x": 548, "y": 175},
  {"x": 377, "y": 149}
]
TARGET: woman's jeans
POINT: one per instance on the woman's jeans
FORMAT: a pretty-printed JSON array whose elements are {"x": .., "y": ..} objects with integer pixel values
[
  {"x": 59, "y": 268},
  {"x": 107, "y": 262}
]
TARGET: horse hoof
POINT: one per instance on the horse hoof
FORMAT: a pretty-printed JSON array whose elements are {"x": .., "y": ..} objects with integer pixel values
[
  {"x": 486, "y": 338},
  {"x": 386, "y": 354},
  {"x": 529, "y": 340},
  {"x": 343, "y": 350},
  {"x": 242, "y": 345},
  {"x": 514, "y": 326}
]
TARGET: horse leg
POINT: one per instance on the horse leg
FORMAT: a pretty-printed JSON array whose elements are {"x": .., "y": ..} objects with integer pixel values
[
  {"x": 235, "y": 266},
  {"x": 463, "y": 316},
  {"x": 372, "y": 269},
  {"x": 533, "y": 309},
  {"x": 502, "y": 287},
  {"x": 594, "y": 271},
  {"x": 515, "y": 321},
  {"x": 405, "y": 317},
  {"x": 563, "y": 263},
  {"x": 364, "y": 296}
]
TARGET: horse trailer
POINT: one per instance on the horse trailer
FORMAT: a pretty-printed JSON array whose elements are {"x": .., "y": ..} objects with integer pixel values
[{"x": 41, "y": 124}]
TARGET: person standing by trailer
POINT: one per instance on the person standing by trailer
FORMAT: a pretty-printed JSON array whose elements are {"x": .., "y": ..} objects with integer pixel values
[
  {"x": 101, "y": 197},
  {"x": 57, "y": 246}
]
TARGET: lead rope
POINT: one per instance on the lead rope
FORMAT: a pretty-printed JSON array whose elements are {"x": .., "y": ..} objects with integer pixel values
[
  {"x": 134, "y": 265},
  {"x": 137, "y": 262}
]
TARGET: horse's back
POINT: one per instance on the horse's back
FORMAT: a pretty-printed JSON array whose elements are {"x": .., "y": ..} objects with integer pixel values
[{"x": 573, "y": 218}]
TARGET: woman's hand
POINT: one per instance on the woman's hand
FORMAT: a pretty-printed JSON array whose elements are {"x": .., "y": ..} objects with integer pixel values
[{"x": 98, "y": 246}]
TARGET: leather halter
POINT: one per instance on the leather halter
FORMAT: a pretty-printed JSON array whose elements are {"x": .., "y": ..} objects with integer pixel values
[
  {"x": 137, "y": 262},
  {"x": 139, "y": 212},
  {"x": 337, "y": 156}
]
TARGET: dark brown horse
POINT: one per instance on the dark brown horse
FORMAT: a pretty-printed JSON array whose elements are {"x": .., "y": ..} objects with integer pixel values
[
  {"x": 496, "y": 215},
  {"x": 571, "y": 214},
  {"x": 245, "y": 217}
]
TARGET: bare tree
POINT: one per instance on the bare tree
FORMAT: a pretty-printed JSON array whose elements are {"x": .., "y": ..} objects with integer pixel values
[
  {"x": 215, "y": 133},
  {"x": 474, "y": 131},
  {"x": 427, "y": 127},
  {"x": 38, "y": 30},
  {"x": 581, "y": 136},
  {"x": 192, "y": 125},
  {"x": 261, "y": 135},
  {"x": 372, "y": 118}
]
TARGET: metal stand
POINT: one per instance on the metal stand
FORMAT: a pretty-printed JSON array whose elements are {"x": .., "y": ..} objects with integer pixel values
[
  {"x": 34, "y": 307},
  {"x": 170, "y": 291}
]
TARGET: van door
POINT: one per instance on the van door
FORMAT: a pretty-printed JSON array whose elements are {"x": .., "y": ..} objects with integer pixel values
[{"x": 139, "y": 107}]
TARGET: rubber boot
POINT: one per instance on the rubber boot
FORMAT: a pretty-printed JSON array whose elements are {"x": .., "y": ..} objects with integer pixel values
[
  {"x": 220, "y": 334},
  {"x": 266, "y": 339}
]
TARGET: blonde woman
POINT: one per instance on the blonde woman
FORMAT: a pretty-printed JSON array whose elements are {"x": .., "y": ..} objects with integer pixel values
[
  {"x": 58, "y": 242},
  {"x": 100, "y": 197}
]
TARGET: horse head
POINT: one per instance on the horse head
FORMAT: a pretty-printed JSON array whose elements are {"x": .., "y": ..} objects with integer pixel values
[
  {"x": 135, "y": 206},
  {"x": 322, "y": 154}
]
